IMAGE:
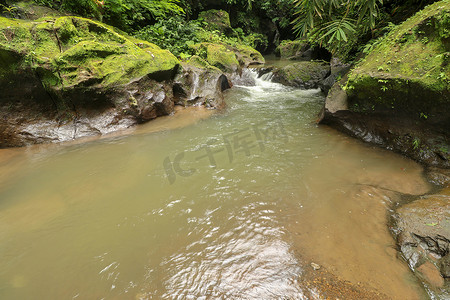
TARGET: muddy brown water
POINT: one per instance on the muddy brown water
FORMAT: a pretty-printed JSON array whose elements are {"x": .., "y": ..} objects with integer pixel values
[{"x": 233, "y": 206}]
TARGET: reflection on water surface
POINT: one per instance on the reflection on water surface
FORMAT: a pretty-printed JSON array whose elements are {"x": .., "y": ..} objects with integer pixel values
[{"x": 101, "y": 220}]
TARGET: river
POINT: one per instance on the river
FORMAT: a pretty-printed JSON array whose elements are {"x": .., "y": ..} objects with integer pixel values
[{"x": 234, "y": 204}]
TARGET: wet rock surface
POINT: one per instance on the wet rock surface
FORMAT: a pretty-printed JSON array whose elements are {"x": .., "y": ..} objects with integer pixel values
[
  {"x": 418, "y": 140},
  {"x": 200, "y": 84},
  {"x": 293, "y": 50},
  {"x": 438, "y": 176},
  {"x": 228, "y": 59},
  {"x": 306, "y": 74},
  {"x": 301, "y": 50},
  {"x": 422, "y": 228},
  {"x": 337, "y": 71},
  {"x": 68, "y": 77}
]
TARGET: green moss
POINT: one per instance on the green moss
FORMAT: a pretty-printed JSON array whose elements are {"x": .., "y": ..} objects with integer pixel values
[
  {"x": 302, "y": 70},
  {"x": 32, "y": 11},
  {"x": 71, "y": 30},
  {"x": 288, "y": 48},
  {"x": 198, "y": 62},
  {"x": 248, "y": 55},
  {"x": 409, "y": 70},
  {"x": 75, "y": 51},
  {"x": 218, "y": 55}
]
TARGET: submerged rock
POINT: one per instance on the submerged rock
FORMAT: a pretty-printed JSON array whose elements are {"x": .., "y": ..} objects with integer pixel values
[
  {"x": 403, "y": 82},
  {"x": 439, "y": 176}
]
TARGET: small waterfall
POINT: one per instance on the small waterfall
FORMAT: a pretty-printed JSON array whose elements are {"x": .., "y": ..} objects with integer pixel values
[
  {"x": 267, "y": 76},
  {"x": 195, "y": 83},
  {"x": 251, "y": 77}
]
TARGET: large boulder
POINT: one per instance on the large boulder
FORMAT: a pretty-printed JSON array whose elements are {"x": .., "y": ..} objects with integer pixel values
[
  {"x": 408, "y": 72},
  {"x": 247, "y": 56},
  {"x": 423, "y": 234},
  {"x": 218, "y": 55},
  {"x": 398, "y": 96},
  {"x": 305, "y": 74},
  {"x": 199, "y": 83},
  {"x": 66, "y": 77}
]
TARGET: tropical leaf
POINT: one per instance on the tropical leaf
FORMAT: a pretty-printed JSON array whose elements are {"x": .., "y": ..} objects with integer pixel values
[{"x": 331, "y": 22}]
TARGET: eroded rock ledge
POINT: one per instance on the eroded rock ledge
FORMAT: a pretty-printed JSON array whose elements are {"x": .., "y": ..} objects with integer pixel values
[
  {"x": 398, "y": 96},
  {"x": 64, "y": 78}
]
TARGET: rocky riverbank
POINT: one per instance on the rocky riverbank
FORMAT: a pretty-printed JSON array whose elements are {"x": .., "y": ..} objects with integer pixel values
[
  {"x": 422, "y": 231},
  {"x": 397, "y": 97},
  {"x": 68, "y": 77}
]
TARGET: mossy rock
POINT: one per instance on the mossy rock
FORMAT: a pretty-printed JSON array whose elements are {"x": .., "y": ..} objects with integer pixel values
[
  {"x": 288, "y": 48},
  {"x": 227, "y": 58},
  {"x": 305, "y": 74},
  {"x": 248, "y": 56},
  {"x": 199, "y": 83},
  {"x": 219, "y": 56},
  {"x": 67, "y": 77},
  {"x": 217, "y": 20},
  {"x": 80, "y": 52},
  {"x": 198, "y": 62},
  {"x": 408, "y": 72},
  {"x": 398, "y": 96}
]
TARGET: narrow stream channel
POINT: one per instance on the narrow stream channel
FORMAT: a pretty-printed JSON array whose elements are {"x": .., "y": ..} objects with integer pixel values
[{"x": 235, "y": 206}]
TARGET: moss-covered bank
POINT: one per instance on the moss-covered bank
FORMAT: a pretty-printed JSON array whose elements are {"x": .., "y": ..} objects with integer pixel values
[
  {"x": 67, "y": 77},
  {"x": 72, "y": 51},
  {"x": 398, "y": 95},
  {"x": 408, "y": 71}
]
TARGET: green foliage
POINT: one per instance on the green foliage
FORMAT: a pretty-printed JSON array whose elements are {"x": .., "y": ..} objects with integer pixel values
[
  {"x": 5, "y": 8},
  {"x": 85, "y": 8},
  {"x": 334, "y": 22},
  {"x": 49, "y": 3},
  {"x": 173, "y": 34},
  {"x": 244, "y": 3},
  {"x": 179, "y": 36},
  {"x": 131, "y": 14},
  {"x": 280, "y": 12},
  {"x": 124, "y": 14}
]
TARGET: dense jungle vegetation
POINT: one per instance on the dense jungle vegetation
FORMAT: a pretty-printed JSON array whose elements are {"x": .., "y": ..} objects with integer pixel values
[{"x": 343, "y": 27}]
